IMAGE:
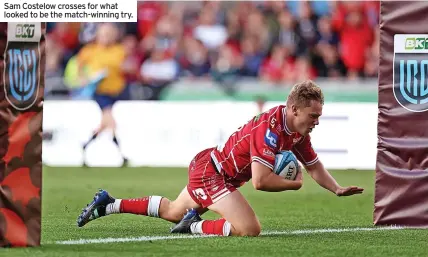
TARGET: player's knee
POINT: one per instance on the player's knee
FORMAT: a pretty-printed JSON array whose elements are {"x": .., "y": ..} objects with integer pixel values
[{"x": 253, "y": 229}]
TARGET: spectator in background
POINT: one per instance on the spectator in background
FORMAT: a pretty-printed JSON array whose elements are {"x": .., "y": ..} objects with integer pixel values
[
  {"x": 54, "y": 76},
  {"x": 88, "y": 32},
  {"x": 194, "y": 59},
  {"x": 54, "y": 57},
  {"x": 166, "y": 35},
  {"x": 271, "y": 11},
  {"x": 302, "y": 70},
  {"x": 104, "y": 56},
  {"x": 224, "y": 41},
  {"x": 133, "y": 59},
  {"x": 157, "y": 72},
  {"x": 329, "y": 64},
  {"x": 208, "y": 31},
  {"x": 355, "y": 36},
  {"x": 148, "y": 14},
  {"x": 233, "y": 27},
  {"x": 278, "y": 67},
  {"x": 66, "y": 35},
  {"x": 187, "y": 12},
  {"x": 372, "y": 57},
  {"x": 225, "y": 68},
  {"x": 64, "y": 42},
  {"x": 325, "y": 34},
  {"x": 289, "y": 37},
  {"x": 327, "y": 59},
  {"x": 255, "y": 26},
  {"x": 252, "y": 57},
  {"x": 372, "y": 9},
  {"x": 307, "y": 26}
]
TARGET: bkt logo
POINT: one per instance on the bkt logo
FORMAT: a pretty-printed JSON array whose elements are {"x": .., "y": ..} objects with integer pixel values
[
  {"x": 411, "y": 84},
  {"x": 22, "y": 81},
  {"x": 271, "y": 139},
  {"x": 410, "y": 71},
  {"x": 24, "y": 31}
]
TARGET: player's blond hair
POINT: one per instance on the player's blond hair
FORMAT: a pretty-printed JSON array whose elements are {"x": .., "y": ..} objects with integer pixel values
[{"x": 303, "y": 93}]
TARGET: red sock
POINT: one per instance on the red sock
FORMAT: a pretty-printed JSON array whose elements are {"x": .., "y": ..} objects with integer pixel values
[
  {"x": 135, "y": 206},
  {"x": 216, "y": 227},
  {"x": 148, "y": 206}
]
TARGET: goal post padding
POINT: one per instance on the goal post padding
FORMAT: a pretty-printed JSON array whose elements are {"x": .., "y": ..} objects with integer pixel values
[
  {"x": 22, "y": 80},
  {"x": 401, "y": 186}
]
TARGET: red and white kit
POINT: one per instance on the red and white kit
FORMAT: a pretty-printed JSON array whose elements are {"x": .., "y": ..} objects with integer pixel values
[{"x": 216, "y": 172}]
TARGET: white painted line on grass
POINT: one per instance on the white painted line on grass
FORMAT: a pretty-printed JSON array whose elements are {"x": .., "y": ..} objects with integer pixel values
[
  {"x": 128, "y": 239},
  {"x": 329, "y": 230},
  {"x": 267, "y": 233}
]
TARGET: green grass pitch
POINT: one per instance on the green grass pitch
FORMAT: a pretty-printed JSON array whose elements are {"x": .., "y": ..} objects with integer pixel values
[{"x": 67, "y": 190}]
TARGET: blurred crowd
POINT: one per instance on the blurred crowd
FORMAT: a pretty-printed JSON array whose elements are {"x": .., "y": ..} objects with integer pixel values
[{"x": 281, "y": 41}]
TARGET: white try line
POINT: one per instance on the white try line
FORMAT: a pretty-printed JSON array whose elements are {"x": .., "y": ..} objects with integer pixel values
[{"x": 267, "y": 233}]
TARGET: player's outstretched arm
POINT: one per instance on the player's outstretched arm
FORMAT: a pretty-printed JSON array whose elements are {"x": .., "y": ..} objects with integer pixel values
[
  {"x": 324, "y": 179},
  {"x": 265, "y": 180}
]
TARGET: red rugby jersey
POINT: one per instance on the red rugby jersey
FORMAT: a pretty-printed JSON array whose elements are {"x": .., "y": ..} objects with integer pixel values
[{"x": 259, "y": 140}]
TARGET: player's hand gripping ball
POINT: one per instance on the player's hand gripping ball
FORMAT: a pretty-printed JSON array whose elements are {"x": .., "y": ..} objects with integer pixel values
[{"x": 286, "y": 165}]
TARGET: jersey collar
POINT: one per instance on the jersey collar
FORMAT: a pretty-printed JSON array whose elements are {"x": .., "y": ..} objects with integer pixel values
[{"x": 284, "y": 115}]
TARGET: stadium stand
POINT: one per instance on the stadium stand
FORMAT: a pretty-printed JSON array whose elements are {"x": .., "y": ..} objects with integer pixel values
[{"x": 226, "y": 43}]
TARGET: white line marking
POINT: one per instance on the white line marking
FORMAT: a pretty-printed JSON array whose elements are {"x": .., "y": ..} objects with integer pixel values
[
  {"x": 329, "y": 230},
  {"x": 267, "y": 233},
  {"x": 127, "y": 239}
]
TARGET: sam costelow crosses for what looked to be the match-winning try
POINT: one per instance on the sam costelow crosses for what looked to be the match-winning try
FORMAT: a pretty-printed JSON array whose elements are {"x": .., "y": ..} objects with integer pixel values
[
  {"x": 68, "y": 6},
  {"x": 216, "y": 173}
]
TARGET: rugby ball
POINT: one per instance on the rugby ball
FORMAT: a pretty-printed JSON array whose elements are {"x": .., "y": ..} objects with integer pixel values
[{"x": 286, "y": 165}]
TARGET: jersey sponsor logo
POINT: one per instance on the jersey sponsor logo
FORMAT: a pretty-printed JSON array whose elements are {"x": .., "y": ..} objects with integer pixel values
[
  {"x": 271, "y": 139},
  {"x": 268, "y": 153}
]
